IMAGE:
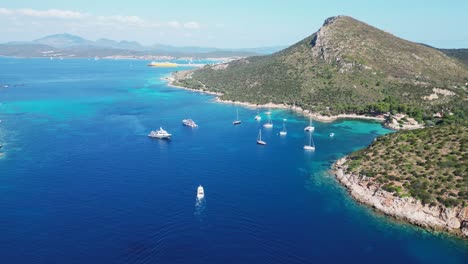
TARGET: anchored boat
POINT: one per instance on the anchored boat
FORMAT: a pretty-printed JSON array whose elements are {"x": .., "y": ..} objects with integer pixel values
[{"x": 161, "y": 134}]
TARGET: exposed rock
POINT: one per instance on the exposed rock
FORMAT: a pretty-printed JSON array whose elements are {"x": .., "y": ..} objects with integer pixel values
[{"x": 453, "y": 220}]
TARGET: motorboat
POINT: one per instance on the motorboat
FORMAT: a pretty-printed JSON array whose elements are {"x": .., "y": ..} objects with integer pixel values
[
  {"x": 200, "y": 192},
  {"x": 189, "y": 123},
  {"x": 161, "y": 134}
]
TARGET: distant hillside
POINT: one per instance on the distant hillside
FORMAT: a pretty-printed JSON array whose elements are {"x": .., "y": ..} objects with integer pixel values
[
  {"x": 67, "y": 45},
  {"x": 348, "y": 66},
  {"x": 24, "y": 50},
  {"x": 61, "y": 41},
  {"x": 461, "y": 54}
]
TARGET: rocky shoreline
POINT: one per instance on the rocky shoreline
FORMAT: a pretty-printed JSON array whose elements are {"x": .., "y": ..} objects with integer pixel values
[
  {"x": 440, "y": 218},
  {"x": 452, "y": 220}
]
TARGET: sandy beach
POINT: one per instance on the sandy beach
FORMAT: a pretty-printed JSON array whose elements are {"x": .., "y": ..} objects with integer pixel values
[{"x": 316, "y": 116}]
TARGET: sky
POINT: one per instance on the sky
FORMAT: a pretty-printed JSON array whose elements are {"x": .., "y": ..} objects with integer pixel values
[{"x": 229, "y": 24}]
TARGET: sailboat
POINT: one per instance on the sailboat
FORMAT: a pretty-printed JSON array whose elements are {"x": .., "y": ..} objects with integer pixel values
[
  {"x": 237, "y": 121},
  {"x": 311, "y": 146},
  {"x": 258, "y": 117},
  {"x": 259, "y": 138},
  {"x": 309, "y": 128},
  {"x": 269, "y": 124},
  {"x": 283, "y": 132},
  {"x": 269, "y": 111}
]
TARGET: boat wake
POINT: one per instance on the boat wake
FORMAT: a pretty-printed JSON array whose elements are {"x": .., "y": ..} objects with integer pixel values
[{"x": 200, "y": 206}]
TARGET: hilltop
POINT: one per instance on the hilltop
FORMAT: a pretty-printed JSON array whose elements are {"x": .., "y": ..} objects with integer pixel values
[{"x": 347, "y": 66}]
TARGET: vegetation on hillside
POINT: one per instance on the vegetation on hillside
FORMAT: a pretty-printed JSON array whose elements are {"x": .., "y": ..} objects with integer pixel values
[
  {"x": 428, "y": 164},
  {"x": 345, "y": 67},
  {"x": 460, "y": 54}
]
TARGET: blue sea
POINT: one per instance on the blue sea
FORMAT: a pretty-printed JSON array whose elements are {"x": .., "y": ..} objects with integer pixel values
[{"x": 80, "y": 181}]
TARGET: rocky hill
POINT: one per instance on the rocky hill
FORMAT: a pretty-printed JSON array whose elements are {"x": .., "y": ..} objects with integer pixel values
[{"x": 346, "y": 66}]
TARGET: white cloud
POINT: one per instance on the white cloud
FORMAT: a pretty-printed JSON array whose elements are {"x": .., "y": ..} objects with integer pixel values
[
  {"x": 113, "y": 20},
  {"x": 173, "y": 24},
  {"x": 4, "y": 11},
  {"x": 51, "y": 13},
  {"x": 134, "y": 20},
  {"x": 192, "y": 25}
]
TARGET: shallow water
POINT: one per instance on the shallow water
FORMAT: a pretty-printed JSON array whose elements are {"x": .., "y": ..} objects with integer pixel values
[{"x": 81, "y": 182}]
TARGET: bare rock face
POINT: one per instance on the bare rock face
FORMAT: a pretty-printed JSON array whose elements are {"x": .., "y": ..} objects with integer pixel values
[
  {"x": 320, "y": 42},
  {"x": 454, "y": 220}
]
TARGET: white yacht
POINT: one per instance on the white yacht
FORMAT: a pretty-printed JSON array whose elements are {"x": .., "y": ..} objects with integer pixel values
[
  {"x": 237, "y": 121},
  {"x": 161, "y": 134},
  {"x": 332, "y": 134},
  {"x": 311, "y": 146},
  {"x": 259, "y": 138},
  {"x": 189, "y": 122},
  {"x": 269, "y": 124},
  {"x": 200, "y": 192},
  {"x": 284, "y": 132},
  {"x": 309, "y": 128}
]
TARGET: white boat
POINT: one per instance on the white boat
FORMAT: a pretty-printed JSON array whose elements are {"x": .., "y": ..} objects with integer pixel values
[
  {"x": 259, "y": 138},
  {"x": 268, "y": 112},
  {"x": 258, "y": 117},
  {"x": 269, "y": 124},
  {"x": 332, "y": 134},
  {"x": 200, "y": 192},
  {"x": 284, "y": 132},
  {"x": 237, "y": 121},
  {"x": 309, "y": 128},
  {"x": 189, "y": 123},
  {"x": 161, "y": 134},
  {"x": 311, "y": 146}
]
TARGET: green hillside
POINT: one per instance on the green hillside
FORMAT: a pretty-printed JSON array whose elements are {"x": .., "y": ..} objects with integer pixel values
[
  {"x": 429, "y": 164},
  {"x": 347, "y": 66}
]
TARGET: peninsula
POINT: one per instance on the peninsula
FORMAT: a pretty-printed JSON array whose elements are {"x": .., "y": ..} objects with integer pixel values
[{"x": 350, "y": 69}]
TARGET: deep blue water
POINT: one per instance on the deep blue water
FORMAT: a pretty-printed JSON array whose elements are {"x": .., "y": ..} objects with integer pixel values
[{"x": 80, "y": 182}]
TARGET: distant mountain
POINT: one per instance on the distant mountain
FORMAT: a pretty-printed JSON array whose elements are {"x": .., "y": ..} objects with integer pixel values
[
  {"x": 346, "y": 66},
  {"x": 61, "y": 41},
  {"x": 68, "y": 45},
  {"x": 130, "y": 45}
]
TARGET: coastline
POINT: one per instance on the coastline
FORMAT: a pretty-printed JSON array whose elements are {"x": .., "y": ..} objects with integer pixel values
[
  {"x": 408, "y": 209},
  {"x": 316, "y": 116}
]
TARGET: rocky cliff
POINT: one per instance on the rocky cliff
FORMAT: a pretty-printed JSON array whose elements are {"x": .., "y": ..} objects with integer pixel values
[{"x": 453, "y": 220}]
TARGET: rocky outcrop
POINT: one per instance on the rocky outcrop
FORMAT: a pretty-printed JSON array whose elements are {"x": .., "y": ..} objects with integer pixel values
[{"x": 453, "y": 220}]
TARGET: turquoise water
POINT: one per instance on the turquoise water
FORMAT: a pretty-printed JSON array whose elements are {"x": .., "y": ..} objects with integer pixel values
[{"x": 80, "y": 182}]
